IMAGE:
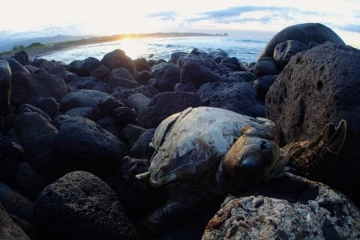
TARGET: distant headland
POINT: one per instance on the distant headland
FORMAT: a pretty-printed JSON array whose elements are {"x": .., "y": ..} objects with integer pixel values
[{"x": 59, "y": 43}]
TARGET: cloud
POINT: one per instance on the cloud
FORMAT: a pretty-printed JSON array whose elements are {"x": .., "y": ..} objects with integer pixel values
[
  {"x": 164, "y": 16},
  {"x": 351, "y": 28}
]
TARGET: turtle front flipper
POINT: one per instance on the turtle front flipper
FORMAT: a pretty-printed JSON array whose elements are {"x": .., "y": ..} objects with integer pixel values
[{"x": 312, "y": 159}]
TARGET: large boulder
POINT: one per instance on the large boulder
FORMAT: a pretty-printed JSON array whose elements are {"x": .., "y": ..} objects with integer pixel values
[
  {"x": 80, "y": 206},
  {"x": 167, "y": 75},
  {"x": 304, "y": 33},
  {"x": 28, "y": 88},
  {"x": 22, "y": 57},
  {"x": 83, "y": 98},
  {"x": 16, "y": 66},
  {"x": 287, "y": 208},
  {"x": 199, "y": 71},
  {"x": 317, "y": 87},
  {"x": 167, "y": 103},
  {"x": 236, "y": 97},
  {"x": 124, "y": 94},
  {"x": 121, "y": 77},
  {"x": 86, "y": 66},
  {"x": 9, "y": 230},
  {"x": 118, "y": 58},
  {"x": 5, "y": 87},
  {"x": 38, "y": 138},
  {"x": 82, "y": 144}
]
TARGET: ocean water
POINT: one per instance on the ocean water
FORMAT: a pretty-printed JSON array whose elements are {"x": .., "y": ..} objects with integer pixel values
[{"x": 245, "y": 50}]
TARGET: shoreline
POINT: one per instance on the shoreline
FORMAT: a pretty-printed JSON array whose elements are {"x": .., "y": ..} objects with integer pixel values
[{"x": 50, "y": 48}]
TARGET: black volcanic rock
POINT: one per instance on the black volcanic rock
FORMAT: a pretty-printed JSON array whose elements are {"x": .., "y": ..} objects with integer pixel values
[
  {"x": 5, "y": 87},
  {"x": 117, "y": 59},
  {"x": 262, "y": 86},
  {"x": 38, "y": 138},
  {"x": 82, "y": 144},
  {"x": 81, "y": 206},
  {"x": 198, "y": 72},
  {"x": 237, "y": 97},
  {"x": 321, "y": 86},
  {"x": 100, "y": 72},
  {"x": 84, "y": 98},
  {"x": 167, "y": 75},
  {"x": 167, "y": 103},
  {"x": 16, "y": 204},
  {"x": 16, "y": 66},
  {"x": 283, "y": 52},
  {"x": 22, "y": 57},
  {"x": 304, "y": 33},
  {"x": 28, "y": 88},
  {"x": 30, "y": 181},
  {"x": 9, "y": 229},
  {"x": 86, "y": 66},
  {"x": 48, "y": 105},
  {"x": 141, "y": 148}
]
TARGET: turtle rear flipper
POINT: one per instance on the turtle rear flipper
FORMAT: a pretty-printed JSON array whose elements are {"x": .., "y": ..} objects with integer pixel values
[{"x": 312, "y": 159}]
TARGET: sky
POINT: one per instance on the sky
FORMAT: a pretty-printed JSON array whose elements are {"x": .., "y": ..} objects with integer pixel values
[{"x": 239, "y": 18}]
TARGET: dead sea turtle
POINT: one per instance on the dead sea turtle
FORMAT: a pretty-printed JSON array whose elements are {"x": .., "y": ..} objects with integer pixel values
[{"x": 211, "y": 150}]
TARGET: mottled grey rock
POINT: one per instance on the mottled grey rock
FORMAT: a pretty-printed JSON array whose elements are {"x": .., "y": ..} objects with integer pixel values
[
  {"x": 9, "y": 230},
  {"x": 236, "y": 97},
  {"x": 5, "y": 87},
  {"x": 317, "y": 87},
  {"x": 80, "y": 206},
  {"x": 290, "y": 208}
]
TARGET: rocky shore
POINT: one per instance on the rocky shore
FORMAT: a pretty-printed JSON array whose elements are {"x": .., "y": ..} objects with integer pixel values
[{"x": 75, "y": 138}]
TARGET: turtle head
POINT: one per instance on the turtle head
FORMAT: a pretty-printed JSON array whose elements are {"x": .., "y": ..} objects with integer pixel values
[{"x": 252, "y": 159}]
